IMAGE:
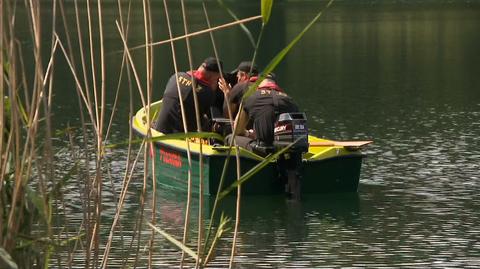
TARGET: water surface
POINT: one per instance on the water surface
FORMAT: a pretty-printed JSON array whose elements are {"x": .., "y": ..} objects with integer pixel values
[{"x": 402, "y": 74}]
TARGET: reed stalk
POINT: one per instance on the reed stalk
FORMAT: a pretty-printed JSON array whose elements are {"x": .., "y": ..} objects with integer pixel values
[
  {"x": 23, "y": 173},
  {"x": 82, "y": 120},
  {"x": 149, "y": 71},
  {"x": 237, "y": 211},
  {"x": 5, "y": 155},
  {"x": 205, "y": 31},
  {"x": 23, "y": 166},
  {"x": 27, "y": 163},
  {"x": 139, "y": 87},
  {"x": 182, "y": 109},
  {"x": 3, "y": 130},
  {"x": 195, "y": 99},
  {"x": 5, "y": 133},
  {"x": 83, "y": 94},
  {"x": 20, "y": 155},
  {"x": 131, "y": 112},
  {"x": 128, "y": 169},
  {"x": 86, "y": 85},
  {"x": 92, "y": 235},
  {"x": 77, "y": 157},
  {"x": 237, "y": 151},
  {"x": 47, "y": 159},
  {"x": 129, "y": 166},
  {"x": 99, "y": 133}
]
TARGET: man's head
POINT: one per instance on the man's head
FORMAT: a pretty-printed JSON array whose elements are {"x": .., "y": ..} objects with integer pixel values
[
  {"x": 211, "y": 64},
  {"x": 210, "y": 70},
  {"x": 245, "y": 70},
  {"x": 270, "y": 79}
]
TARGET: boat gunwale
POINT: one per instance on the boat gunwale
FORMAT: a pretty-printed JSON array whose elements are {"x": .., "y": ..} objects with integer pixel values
[
  {"x": 181, "y": 145},
  {"x": 328, "y": 152}
]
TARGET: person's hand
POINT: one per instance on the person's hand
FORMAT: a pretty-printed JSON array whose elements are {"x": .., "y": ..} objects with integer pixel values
[
  {"x": 217, "y": 128},
  {"x": 250, "y": 134},
  {"x": 224, "y": 86}
]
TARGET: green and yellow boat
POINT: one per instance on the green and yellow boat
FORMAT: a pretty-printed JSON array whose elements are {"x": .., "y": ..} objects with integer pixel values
[{"x": 327, "y": 166}]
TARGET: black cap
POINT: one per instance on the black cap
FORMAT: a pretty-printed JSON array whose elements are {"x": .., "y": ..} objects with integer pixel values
[
  {"x": 210, "y": 64},
  {"x": 271, "y": 76},
  {"x": 246, "y": 66}
]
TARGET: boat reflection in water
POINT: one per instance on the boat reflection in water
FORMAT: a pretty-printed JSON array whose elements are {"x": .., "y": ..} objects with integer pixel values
[{"x": 263, "y": 214}]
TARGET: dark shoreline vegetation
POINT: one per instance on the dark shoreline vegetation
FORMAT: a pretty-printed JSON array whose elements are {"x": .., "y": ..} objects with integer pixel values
[{"x": 34, "y": 213}]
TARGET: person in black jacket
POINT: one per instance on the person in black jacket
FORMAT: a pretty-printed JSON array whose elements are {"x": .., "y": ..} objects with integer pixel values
[
  {"x": 206, "y": 77},
  {"x": 246, "y": 73},
  {"x": 262, "y": 109}
]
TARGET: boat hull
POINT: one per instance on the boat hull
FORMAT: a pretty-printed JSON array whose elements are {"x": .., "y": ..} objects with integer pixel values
[
  {"x": 326, "y": 167},
  {"x": 171, "y": 168}
]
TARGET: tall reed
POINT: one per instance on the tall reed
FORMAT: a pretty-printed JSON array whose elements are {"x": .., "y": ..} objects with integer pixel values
[
  {"x": 35, "y": 223},
  {"x": 22, "y": 154}
]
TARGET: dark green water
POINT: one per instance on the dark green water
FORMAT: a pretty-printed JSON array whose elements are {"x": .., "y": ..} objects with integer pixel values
[{"x": 403, "y": 74}]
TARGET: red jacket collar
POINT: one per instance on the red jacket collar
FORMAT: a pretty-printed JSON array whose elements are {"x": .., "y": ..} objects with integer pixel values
[{"x": 200, "y": 77}]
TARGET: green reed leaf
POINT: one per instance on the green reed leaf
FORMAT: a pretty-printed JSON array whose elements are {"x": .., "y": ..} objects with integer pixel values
[
  {"x": 279, "y": 57},
  {"x": 266, "y": 10},
  {"x": 6, "y": 260},
  {"x": 242, "y": 26},
  {"x": 60, "y": 184},
  {"x": 25, "y": 242},
  {"x": 8, "y": 108},
  {"x": 7, "y": 114},
  {"x": 174, "y": 241},
  {"x": 255, "y": 169},
  {"x": 37, "y": 201},
  {"x": 222, "y": 228}
]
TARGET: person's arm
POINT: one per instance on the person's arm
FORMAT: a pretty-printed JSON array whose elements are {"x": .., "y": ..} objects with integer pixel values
[
  {"x": 226, "y": 89},
  {"x": 224, "y": 86},
  {"x": 241, "y": 128}
]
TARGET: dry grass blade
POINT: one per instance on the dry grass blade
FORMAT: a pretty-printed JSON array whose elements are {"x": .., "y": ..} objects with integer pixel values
[
  {"x": 174, "y": 241},
  {"x": 172, "y": 39}
]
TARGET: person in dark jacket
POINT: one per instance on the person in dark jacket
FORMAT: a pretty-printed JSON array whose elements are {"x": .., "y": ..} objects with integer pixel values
[
  {"x": 262, "y": 109},
  {"x": 246, "y": 74},
  {"x": 206, "y": 77}
]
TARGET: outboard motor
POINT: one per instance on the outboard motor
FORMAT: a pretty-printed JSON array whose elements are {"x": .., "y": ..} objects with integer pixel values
[{"x": 291, "y": 128}]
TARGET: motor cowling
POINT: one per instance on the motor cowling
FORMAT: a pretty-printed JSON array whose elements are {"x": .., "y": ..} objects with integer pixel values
[{"x": 291, "y": 128}]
